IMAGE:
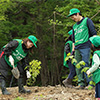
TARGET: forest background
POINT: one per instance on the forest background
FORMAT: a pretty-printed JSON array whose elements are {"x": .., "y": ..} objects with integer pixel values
[{"x": 47, "y": 20}]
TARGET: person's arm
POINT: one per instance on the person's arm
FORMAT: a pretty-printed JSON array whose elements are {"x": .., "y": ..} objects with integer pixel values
[
  {"x": 91, "y": 27},
  {"x": 67, "y": 48},
  {"x": 25, "y": 62},
  {"x": 73, "y": 39},
  {"x": 73, "y": 47},
  {"x": 96, "y": 64},
  {"x": 10, "y": 47}
]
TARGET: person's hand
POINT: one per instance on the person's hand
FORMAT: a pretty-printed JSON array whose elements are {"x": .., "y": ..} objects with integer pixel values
[
  {"x": 88, "y": 72},
  {"x": 11, "y": 60},
  {"x": 28, "y": 74}
]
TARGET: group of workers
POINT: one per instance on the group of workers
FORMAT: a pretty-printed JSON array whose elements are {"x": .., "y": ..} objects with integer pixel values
[{"x": 83, "y": 39}]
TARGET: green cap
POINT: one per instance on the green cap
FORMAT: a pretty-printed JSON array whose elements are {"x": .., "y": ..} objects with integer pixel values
[
  {"x": 70, "y": 32},
  {"x": 33, "y": 39},
  {"x": 95, "y": 40},
  {"x": 73, "y": 11}
]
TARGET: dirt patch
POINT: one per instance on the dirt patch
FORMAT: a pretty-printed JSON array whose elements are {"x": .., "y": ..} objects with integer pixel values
[{"x": 49, "y": 93}]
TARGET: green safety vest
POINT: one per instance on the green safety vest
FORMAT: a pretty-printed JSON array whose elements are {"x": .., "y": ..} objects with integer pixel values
[
  {"x": 81, "y": 32},
  {"x": 96, "y": 73},
  {"x": 17, "y": 54},
  {"x": 65, "y": 55}
]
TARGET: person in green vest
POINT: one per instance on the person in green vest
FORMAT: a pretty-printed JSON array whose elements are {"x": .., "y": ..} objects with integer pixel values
[
  {"x": 82, "y": 30},
  {"x": 95, "y": 69},
  {"x": 68, "y": 49},
  {"x": 11, "y": 54}
]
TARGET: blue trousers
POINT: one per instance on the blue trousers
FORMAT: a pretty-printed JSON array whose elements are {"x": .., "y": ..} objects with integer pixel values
[
  {"x": 82, "y": 55},
  {"x": 72, "y": 70},
  {"x": 97, "y": 90}
]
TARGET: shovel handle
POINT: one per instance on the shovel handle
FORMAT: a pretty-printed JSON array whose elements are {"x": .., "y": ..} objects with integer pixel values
[{"x": 13, "y": 67}]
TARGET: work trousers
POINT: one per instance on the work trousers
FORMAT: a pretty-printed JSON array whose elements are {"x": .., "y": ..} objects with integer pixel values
[
  {"x": 82, "y": 55},
  {"x": 72, "y": 70}
]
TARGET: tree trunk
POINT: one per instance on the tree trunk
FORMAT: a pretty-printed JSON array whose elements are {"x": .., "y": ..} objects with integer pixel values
[{"x": 55, "y": 70}]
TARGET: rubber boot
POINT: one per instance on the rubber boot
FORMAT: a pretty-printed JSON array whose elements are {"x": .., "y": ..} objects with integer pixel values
[
  {"x": 3, "y": 88},
  {"x": 21, "y": 86},
  {"x": 68, "y": 83}
]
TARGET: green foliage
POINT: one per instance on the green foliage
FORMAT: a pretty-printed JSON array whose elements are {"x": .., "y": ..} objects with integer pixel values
[
  {"x": 74, "y": 61},
  {"x": 4, "y": 6},
  {"x": 23, "y": 0},
  {"x": 75, "y": 79},
  {"x": 34, "y": 67},
  {"x": 20, "y": 18},
  {"x": 92, "y": 83},
  {"x": 88, "y": 8},
  {"x": 57, "y": 22},
  {"x": 81, "y": 63},
  {"x": 67, "y": 58},
  {"x": 19, "y": 98},
  {"x": 84, "y": 69},
  {"x": 70, "y": 57},
  {"x": 78, "y": 66},
  {"x": 64, "y": 77},
  {"x": 90, "y": 88}
]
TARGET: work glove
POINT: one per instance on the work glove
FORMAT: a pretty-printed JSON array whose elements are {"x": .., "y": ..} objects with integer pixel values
[
  {"x": 28, "y": 74},
  {"x": 11, "y": 60},
  {"x": 88, "y": 72}
]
